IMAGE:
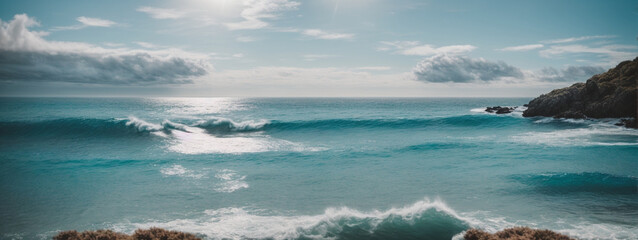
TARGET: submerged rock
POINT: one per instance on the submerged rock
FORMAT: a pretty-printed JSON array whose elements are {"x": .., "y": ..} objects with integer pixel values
[
  {"x": 140, "y": 234},
  {"x": 515, "y": 233},
  {"x": 607, "y": 95},
  {"x": 499, "y": 109}
]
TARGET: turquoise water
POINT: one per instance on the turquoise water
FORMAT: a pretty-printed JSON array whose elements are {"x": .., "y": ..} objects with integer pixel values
[{"x": 310, "y": 168}]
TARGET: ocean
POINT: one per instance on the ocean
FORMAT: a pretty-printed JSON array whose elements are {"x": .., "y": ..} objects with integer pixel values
[{"x": 310, "y": 168}]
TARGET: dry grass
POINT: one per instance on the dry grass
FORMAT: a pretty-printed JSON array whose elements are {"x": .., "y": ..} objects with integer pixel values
[
  {"x": 140, "y": 234},
  {"x": 515, "y": 233}
]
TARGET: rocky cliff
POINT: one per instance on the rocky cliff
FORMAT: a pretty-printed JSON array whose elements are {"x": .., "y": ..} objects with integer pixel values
[{"x": 607, "y": 95}]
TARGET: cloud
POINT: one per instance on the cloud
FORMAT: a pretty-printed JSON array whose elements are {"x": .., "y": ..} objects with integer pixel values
[
  {"x": 257, "y": 11},
  {"x": 568, "y": 74},
  {"x": 614, "y": 53},
  {"x": 95, "y": 22},
  {"x": 26, "y": 56},
  {"x": 87, "y": 22},
  {"x": 162, "y": 13},
  {"x": 414, "y": 48},
  {"x": 576, "y": 39},
  {"x": 147, "y": 45},
  {"x": 461, "y": 69},
  {"x": 522, "y": 47},
  {"x": 320, "y": 34}
]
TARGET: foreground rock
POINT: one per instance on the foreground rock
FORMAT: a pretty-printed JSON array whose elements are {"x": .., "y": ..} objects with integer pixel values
[
  {"x": 500, "y": 110},
  {"x": 607, "y": 95},
  {"x": 516, "y": 233},
  {"x": 140, "y": 234}
]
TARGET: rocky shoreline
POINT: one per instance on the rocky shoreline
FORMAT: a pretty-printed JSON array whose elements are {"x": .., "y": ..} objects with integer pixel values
[
  {"x": 515, "y": 233},
  {"x": 607, "y": 95}
]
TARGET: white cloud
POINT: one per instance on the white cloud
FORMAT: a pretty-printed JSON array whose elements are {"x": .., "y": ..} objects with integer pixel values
[
  {"x": 522, "y": 47},
  {"x": 27, "y": 56},
  {"x": 461, "y": 69},
  {"x": 87, "y": 22},
  {"x": 576, "y": 39},
  {"x": 147, "y": 45},
  {"x": 320, "y": 34},
  {"x": 414, "y": 48},
  {"x": 95, "y": 22},
  {"x": 162, "y": 13},
  {"x": 613, "y": 53},
  {"x": 568, "y": 74},
  {"x": 256, "y": 11}
]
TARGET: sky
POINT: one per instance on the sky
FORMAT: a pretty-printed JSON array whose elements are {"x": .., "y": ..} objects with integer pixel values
[{"x": 315, "y": 48}]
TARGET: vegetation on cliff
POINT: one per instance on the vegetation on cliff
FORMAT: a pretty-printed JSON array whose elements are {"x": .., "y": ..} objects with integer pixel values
[
  {"x": 140, "y": 234},
  {"x": 516, "y": 233}
]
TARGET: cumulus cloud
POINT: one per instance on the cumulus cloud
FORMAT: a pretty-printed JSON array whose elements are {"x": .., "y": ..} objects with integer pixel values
[
  {"x": 522, "y": 48},
  {"x": 27, "y": 56},
  {"x": 462, "y": 69},
  {"x": 320, "y": 34},
  {"x": 87, "y": 22},
  {"x": 568, "y": 74},
  {"x": 257, "y": 11},
  {"x": 414, "y": 48}
]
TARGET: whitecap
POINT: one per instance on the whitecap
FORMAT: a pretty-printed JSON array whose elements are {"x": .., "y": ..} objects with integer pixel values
[
  {"x": 230, "y": 181},
  {"x": 181, "y": 171},
  {"x": 596, "y": 134}
]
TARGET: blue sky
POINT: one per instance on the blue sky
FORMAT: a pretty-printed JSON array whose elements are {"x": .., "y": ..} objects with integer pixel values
[{"x": 286, "y": 48}]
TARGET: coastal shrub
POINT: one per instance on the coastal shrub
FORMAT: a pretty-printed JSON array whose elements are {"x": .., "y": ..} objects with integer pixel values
[
  {"x": 515, "y": 233},
  {"x": 140, "y": 234}
]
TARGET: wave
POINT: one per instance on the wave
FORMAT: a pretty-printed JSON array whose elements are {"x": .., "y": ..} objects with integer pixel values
[
  {"x": 434, "y": 146},
  {"x": 592, "y": 182},
  {"x": 78, "y": 127},
  {"x": 422, "y": 220},
  {"x": 181, "y": 171},
  {"x": 596, "y": 133},
  {"x": 231, "y": 181},
  {"x": 403, "y": 123},
  {"x": 224, "y": 126}
]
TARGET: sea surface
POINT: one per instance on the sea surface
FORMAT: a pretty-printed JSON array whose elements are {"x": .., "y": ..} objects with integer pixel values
[{"x": 304, "y": 168}]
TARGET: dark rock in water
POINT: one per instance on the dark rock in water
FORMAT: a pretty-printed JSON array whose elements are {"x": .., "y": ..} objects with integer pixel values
[
  {"x": 499, "y": 109},
  {"x": 628, "y": 122},
  {"x": 607, "y": 95}
]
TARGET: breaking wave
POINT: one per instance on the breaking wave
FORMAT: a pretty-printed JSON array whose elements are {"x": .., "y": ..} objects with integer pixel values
[{"x": 422, "y": 220}]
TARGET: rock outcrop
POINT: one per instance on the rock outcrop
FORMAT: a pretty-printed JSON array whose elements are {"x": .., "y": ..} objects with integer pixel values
[
  {"x": 500, "y": 110},
  {"x": 515, "y": 233},
  {"x": 607, "y": 95}
]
